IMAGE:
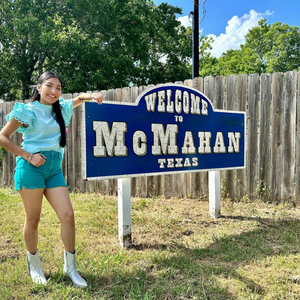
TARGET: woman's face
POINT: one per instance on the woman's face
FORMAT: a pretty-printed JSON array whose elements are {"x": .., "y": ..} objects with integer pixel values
[{"x": 50, "y": 91}]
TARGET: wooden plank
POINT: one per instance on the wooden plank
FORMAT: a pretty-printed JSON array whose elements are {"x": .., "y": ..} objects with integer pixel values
[
  {"x": 276, "y": 136},
  {"x": 289, "y": 135},
  {"x": 252, "y": 140},
  {"x": 110, "y": 95},
  {"x": 265, "y": 135},
  {"x": 219, "y": 103},
  {"x": 70, "y": 157},
  {"x": 242, "y": 89},
  {"x": 126, "y": 94},
  {"x": 77, "y": 118},
  {"x": 297, "y": 140},
  {"x": 231, "y": 105}
]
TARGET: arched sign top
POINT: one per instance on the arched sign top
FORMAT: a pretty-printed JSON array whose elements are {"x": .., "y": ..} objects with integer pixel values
[
  {"x": 168, "y": 129},
  {"x": 161, "y": 91}
]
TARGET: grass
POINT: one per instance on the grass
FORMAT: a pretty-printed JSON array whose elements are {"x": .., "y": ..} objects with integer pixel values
[{"x": 179, "y": 252}]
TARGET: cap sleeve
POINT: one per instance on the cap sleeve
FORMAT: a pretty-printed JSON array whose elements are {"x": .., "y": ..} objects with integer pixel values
[
  {"x": 67, "y": 109},
  {"x": 24, "y": 114}
]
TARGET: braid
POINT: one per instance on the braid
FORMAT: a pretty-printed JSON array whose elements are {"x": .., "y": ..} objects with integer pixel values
[{"x": 61, "y": 122}]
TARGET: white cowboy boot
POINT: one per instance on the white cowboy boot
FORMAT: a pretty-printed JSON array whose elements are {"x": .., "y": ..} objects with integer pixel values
[
  {"x": 35, "y": 268},
  {"x": 71, "y": 271}
]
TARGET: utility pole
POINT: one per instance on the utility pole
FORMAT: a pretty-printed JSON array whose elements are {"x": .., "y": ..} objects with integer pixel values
[{"x": 195, "y": 14}]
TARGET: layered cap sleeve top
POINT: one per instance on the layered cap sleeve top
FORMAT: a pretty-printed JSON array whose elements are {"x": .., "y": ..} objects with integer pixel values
[{"x": 43, "y": 131}]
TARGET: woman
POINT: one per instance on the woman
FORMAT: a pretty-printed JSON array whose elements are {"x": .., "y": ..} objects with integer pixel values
[{"x": 38, "y": 172}]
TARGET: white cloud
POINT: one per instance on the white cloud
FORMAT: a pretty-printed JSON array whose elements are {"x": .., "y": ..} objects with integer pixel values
[
  {"x": 235, "y": 32},
  {"x": 185, "y": 21}
]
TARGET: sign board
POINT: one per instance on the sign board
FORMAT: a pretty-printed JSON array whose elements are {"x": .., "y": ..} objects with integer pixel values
[{"x": 169, "y": 129}]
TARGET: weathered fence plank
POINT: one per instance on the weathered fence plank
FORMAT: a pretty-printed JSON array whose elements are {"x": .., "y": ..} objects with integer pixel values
[
  {"x": 231, "y": 105},
  {"x": 297, "y": 141},
  {"x": 264, "y": 135},
  {"x": 289, "y": 135},
  {"x": 242, "y": 88},
  {"x": 252, "y": 131},
  {"x": 276, "y": 136}
]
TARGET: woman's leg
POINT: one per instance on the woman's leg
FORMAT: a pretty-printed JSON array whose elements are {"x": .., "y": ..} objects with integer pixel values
[
  {"x": 32, "y": 202},
  {"x": 59, "y": 199}
]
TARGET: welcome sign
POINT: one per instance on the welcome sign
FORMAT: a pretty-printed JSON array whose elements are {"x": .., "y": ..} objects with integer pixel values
[{"x": 169, "y": 129}]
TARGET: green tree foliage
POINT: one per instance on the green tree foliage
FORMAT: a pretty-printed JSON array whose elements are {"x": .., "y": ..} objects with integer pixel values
[
  {"x": 268, "y": 48},
  {"x": 277, "y": 46},
  {"x": 92, "y": 44}
]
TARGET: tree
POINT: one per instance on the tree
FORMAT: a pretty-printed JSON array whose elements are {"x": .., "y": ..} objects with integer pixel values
[
  {"x": 240, "y": 61},
  {"x": 276, "y": 45},
  {"x": 27, "y": 31},
  {"x": 268, "y": 48},
  {"x": 207, "y": 62},
  {"x": 108, "y": 44}
]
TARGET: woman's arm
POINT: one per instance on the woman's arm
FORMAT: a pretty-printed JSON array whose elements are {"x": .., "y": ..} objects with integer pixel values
[
  {"x": 95, "y": 97},
  {"x": 5, "y": 141}
]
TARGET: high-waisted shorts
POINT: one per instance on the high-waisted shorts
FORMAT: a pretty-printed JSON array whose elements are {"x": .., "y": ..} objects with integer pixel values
[{"x": 47, "y": 176}]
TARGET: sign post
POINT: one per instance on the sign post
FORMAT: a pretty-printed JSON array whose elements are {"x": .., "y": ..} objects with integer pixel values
[
  {"x": 214, "y": 193},
  {"x": 170, "y": 129},
  {"x": 124, "y": 211}
]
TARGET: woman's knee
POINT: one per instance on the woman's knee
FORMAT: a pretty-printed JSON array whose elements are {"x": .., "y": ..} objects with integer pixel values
[
  {"x": 33, "y": 221},
  {"x": 67, "y": 217}
]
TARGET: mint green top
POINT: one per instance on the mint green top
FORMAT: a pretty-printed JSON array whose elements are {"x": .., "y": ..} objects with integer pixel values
[{"x": 42, "y": 132}]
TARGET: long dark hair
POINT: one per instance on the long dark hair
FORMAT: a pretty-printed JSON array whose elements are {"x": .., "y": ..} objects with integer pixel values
[{"x": 56, "y": 106}]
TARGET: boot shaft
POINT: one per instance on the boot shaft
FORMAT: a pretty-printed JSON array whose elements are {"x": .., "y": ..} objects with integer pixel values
[
  {"x": 71, "y": 271},
  {"x": 35, "y": 269}
]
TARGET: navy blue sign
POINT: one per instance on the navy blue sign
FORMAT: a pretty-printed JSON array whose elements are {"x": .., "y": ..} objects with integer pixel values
[{"x": 169, "y": 129}]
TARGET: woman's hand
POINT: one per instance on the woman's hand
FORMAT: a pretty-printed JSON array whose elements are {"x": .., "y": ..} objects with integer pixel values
[
  {"x": 37, "y": 159},
  {"x": 97, "y": 97}
]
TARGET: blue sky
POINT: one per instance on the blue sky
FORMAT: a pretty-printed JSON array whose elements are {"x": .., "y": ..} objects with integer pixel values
[{"x": 228, "y": 21}]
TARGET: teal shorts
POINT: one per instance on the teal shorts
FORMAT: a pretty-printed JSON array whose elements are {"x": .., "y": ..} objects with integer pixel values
[{"x": 47, "y": 176}]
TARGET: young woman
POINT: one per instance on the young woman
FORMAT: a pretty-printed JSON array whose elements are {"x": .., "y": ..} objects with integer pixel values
[{"x": 38, "y": 172}]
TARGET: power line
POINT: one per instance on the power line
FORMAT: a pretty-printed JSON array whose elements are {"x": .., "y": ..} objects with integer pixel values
[{"x": 204, "y": 12}]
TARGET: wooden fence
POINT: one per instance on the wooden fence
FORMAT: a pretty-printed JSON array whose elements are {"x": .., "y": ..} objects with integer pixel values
[{"x": 272, "y": 168}]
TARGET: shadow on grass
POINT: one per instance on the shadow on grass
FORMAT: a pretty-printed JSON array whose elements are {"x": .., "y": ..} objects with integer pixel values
[{"x": 184, "y": 273}]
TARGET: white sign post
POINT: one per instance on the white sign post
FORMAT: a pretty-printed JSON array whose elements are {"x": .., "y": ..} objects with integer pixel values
[
  {"x": 214, "y": 193},
  {"x": 124, "y": 211}
]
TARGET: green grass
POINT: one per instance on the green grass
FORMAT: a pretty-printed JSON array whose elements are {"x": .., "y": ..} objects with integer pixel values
[{"x": 179, "y": 252}]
